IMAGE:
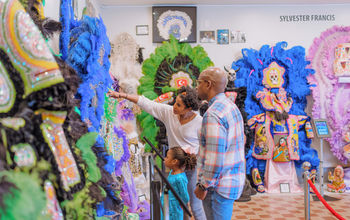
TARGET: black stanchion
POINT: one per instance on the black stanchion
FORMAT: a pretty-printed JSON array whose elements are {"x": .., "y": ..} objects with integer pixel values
[
  {"x": 156, "y": 188},
  {"x": 153, "y": 148}
]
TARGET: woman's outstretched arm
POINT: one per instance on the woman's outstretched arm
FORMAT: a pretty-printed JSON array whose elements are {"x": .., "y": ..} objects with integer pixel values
[
  {"x": 157, "y": 110},
  {"x": 130, "y": 97}
]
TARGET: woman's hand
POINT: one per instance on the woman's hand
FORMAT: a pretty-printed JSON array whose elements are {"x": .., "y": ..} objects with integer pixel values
[{"x": 116, "y": 95}]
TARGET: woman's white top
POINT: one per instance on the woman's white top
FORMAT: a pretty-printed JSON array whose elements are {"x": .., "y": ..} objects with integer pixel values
[{"x": 185, "y": 136}]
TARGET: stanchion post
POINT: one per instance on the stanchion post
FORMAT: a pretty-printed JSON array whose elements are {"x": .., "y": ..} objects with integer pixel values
[
  {"x": 151, "y": 171},
  {"x": 306, "y": 167},
  {"x": 321, "y": 169}
]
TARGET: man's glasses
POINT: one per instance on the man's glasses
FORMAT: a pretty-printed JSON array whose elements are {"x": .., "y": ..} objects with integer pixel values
[{"x": 199, "y": 81}]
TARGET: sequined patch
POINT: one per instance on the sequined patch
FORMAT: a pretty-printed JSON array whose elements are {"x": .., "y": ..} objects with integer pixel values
[
  {"x": 7, "y": 91},
  {"x": 53, "y": 208},
  {"x": 30, "y": 39},
  {"x": 27, "y": 49},
  {"x": 180, "y": 79},
  {"x": 113, "y": 144},
  {"x": 273, "y": 76},
  {"x": 56, "y": 139},
  {"x": 14, "y": 123},
  {"x": 24, "y": 155}
]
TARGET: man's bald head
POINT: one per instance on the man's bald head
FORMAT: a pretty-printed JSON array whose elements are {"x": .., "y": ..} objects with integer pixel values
[{"x": 217, "y": 76}]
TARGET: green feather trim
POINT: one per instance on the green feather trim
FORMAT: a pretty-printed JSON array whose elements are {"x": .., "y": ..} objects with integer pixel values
[
  {"x": 149, "y": 67},
  {"x": 167, "y": 51},
  {"x": 84, "y": 144},
  {"x": 27, "y": 201},
  {"x": 150, "y": 94},
  {"x": 103, "y": 192},
  {"x": 81, "y": 206},
  {"x": 166, "y": 89}
]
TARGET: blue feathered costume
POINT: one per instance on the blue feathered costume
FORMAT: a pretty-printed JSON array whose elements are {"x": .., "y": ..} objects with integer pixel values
[
  {"x": 84, "y": 45},
  {"x": 276, "y": 84}
]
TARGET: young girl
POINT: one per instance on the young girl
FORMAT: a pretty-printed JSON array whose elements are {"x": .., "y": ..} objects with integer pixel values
[{"x": 178, "y": 160}]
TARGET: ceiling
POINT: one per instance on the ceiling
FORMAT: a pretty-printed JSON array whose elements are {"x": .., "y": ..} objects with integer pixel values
[{"x": 216, "y": 2}]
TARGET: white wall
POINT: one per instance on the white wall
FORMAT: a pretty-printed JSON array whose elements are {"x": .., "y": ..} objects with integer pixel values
[
  {"x": 52, "y": 8},
  {"x": 260, "y": 23}
]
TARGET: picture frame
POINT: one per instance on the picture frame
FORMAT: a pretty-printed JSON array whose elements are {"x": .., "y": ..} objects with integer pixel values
[
  {"x": 207, "y": 36},
  {"x": 223, "y": 36},
  {"x": 321, "y": 128},
  {"x": 238, "y": 37},
  {"x": 179, "y": 21},
  {"x": 142, "y": 30},
  {"x": 284, "y": 188}
]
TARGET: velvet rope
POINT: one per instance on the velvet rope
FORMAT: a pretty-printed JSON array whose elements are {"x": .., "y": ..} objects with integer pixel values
[{"x": 324, "y": 201}]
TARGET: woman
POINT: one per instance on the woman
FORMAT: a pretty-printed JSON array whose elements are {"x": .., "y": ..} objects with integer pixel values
[{"x": 182, "y": 124}]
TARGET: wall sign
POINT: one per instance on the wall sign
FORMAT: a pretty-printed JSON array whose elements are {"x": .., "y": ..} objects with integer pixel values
[
  {"x": 141, "y": 29},
  {"x": 306, "y": 18}
]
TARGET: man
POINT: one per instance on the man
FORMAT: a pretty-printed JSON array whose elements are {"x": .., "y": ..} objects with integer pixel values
[{"x": 221, "y": 163}]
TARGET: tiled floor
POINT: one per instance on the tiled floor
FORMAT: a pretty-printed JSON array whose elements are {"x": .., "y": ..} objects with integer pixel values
[{"x": 289, "y": 206}]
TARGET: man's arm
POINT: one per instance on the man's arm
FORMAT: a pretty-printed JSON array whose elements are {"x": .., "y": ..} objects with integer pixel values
[{"x": 213, "y": 152}]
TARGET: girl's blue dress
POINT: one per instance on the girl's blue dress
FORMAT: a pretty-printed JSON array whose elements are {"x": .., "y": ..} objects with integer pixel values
[{"x": 179, "y": 183}]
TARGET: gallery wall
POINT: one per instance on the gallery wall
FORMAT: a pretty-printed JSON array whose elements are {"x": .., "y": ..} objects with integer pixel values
[{"x": 263, "y": 24}]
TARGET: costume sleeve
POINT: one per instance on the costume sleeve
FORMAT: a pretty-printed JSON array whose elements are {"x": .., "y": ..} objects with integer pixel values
[
  {"x": 157, "y": 110},
  {"x": 212, "y": 150},
  {"x": 180, "y": 187}
]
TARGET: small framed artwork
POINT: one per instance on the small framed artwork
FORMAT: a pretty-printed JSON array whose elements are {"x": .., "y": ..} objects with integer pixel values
[
  {"x": 207, "y": 36},
  {"x": 321, "y": 128},
  {"x": 284, "y": 188},
  {"x": 142, "y": 30},
  {"x": 223, "y": 36},
  {"x": 179, "y": 21},
  {"x": 238, "y": 37}
]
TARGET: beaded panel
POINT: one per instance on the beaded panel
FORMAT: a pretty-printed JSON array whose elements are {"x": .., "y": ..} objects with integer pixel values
[
  {"x": 27, "y": 49},
  {"x": 7, "y": 90},
  {"x": 56, "y": 139}
]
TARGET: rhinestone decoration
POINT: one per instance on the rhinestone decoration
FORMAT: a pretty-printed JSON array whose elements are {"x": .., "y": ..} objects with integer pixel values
[
  {"x": 24, "y": 155},
  {"x": 52, "y": 207},
  {"x": 7, "y": 91},
  {"x": 56, "y": 139}
]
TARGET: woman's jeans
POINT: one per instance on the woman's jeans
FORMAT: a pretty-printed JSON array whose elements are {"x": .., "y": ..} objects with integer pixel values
[
  {"x": 217, "y": 207},
  {"x": 196, "y": 204}
]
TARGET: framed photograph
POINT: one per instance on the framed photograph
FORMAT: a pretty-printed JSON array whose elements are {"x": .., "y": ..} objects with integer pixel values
[
  {"x": 181, "y": 22},
  {"x": 207, "y": 36},
  {"x": 223, "y": 36},
  {"x": 284, "y": 188},
  {"x": 141, "y": 29},
  {"x": 238, "y": 37}
]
